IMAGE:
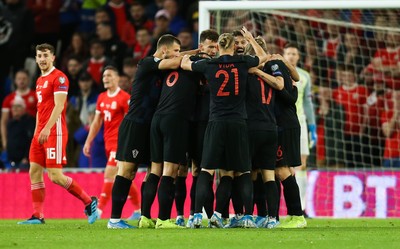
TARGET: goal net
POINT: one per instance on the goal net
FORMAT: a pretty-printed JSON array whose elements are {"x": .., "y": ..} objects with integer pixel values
[{"x": 352, "y": 53}]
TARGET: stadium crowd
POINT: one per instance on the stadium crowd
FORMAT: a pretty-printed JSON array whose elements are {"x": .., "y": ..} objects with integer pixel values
[{"x": 91, "y": 35}]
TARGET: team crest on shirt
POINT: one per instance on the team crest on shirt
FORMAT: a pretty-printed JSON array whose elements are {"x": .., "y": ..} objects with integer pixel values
[
  {"x": 135, "y": 153},
  {"x": 61, "y": 80},
  {"x": 102, "y": 104},
  {"x": 274, "y": 67},
  {"x": 45, "y": 84},
  {"x": 114, "y": 105}
]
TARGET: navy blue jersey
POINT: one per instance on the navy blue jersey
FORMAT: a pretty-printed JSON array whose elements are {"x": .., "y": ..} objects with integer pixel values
[
  {"x": 285, "y": 101},
  {"x": 260, "y": 104},
  {"x": 227, "y": 77},
  {"x": 178, "y": 93},
  {"x": 146, "y": 90},
  {"x": 202, "y": 110}
]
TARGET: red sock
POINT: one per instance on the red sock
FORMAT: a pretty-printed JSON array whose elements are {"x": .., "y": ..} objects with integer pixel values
[
  {"x": 105, "y": 193},
  {"x": 38, "y": 194},
  {"x": 76, "y": 190},
  {"x": 134, "y": 196}
]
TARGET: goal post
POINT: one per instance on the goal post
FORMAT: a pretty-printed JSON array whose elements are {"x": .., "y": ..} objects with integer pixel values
[{"x": 348, "y": 175}]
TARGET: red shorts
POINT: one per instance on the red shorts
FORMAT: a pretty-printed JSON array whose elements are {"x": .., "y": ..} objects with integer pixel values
[
  {"x": 111, "y": 158},
  {"x": 51, "y": 154},
  {"x": 111, "y": 150}
]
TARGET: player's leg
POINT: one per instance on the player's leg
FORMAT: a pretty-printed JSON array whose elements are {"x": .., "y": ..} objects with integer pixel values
[
  {"x": 301, "y": 171},
  {"x": 292, "y": 198},
  {"x": 121, "y": 188},
  {"x": 154, "y": 174},
  {"x": 56, "y": 176},
  {"x": 166, "y": 194},
  {"x": 222, "y": 195},
  {"x": 149, "y": 194},
  {"x": 38, "y": 194},
  {"x": 202, "y": 193},
  {"x": 37, "y": 157},
  {"x": 180, "y": 194},
  {"x": 272, "y": 197},
  {"x": 175, "y": 135},
  {"x": 109, "y": 176}
]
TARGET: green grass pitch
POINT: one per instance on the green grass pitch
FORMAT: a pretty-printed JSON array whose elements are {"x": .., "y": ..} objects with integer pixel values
[{"x": 320, "y": 233}]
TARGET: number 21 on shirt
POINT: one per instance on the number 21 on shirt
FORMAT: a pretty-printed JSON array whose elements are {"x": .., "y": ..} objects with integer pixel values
[{"x": 226, "y": 75}]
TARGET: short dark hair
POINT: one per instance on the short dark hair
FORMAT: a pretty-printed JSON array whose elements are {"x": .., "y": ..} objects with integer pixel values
[
  {"x": 209, "y": 34},
  {"x": 292, "y": 45},
  {"x": 85, "y": 76},
  {"x": 167, "y": 40},
  {"x": 112, "y": 68},
  {"x": 45, "y": 46},
  {"x": 349, "y": 68},
  {"x": 237, "y": 33}
]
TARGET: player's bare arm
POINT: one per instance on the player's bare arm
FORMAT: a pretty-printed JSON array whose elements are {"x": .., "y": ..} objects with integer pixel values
[
  {"x": 94, "y": 129},
  {"x": 292, "y": 70},
  {"x": 59, "y": 102},
  {"x": 257, "y": 48},
  {"x": 275, "y": 82},
  {"x": 186, "y": 63},
  {"x": 172, "y": 63}
]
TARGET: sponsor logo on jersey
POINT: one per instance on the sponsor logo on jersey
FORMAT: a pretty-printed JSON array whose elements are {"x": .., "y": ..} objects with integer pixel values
[
  {"x": 114, "y": 105},
  {"x": 61, "y": 80},
  {"x": 135, "y": 153}
]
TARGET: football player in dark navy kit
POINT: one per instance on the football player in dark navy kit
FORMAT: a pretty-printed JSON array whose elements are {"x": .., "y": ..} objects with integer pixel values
[
  {"x": 134, "y": 132},
  {"x": 169, "y": 135},
  {"x": 226, "y": 134},
  {"x": 263, "y": 136},
  {"x": 288, "y": 152}
]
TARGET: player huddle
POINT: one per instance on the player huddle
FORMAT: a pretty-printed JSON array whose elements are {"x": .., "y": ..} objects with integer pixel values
[{"x": 227, "y": 109}]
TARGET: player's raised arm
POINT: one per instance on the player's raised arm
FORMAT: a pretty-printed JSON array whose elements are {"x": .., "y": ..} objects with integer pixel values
[
  {"x": 257, "y": 48},
  {"x": 186, "y": 63},
  {"x": 59, "y": 102},
  {"x": 292, "y": 70},
  {"x": 275, "y": 82}
]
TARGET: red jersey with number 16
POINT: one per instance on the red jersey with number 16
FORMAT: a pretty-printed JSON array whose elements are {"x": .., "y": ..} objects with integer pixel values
[
  {"x": 48, "y": 85},
  {"x": 112, "y": 108}
]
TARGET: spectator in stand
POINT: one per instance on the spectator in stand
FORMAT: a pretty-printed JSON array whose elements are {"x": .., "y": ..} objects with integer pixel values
[
  {"x": 177, "y": 22},
  {"x": 301, "y": 29},
  {"x": 97, "y": 157},
  {"x": 352, "y": 97},
  {"x": 385, "y": 64},
  {"x": 77, "y": 113},
  {"x": 162, "y": 21},
  {"x": 349, "y": 52},
  {"x": 96, "y": 62},
  {"x": 115, "y": 49},
  {"x": 153, "y": 7},
  {"x": 47, "y": 20},
  {"x": 74, "y": 68},
  {"x": 129, "y": 68},
  {"x": 125, "y": 82},
  {"x": 272, "y": 36},
  {"x": 20, "y": 129},
  {"x": 332, "y": 41},
  {"x": 231, "y": 23},
  {"x": 22, "y": 90},
  {"x": 185, "y": 36},
  {"x": 76, "y": 48},
  {"x": 143, "y": 44},
  {"x": 119, "y": 12},
  {"x": 374, "y": 140},
  {"x": 88, "y": 12},
  {"x": 136, "y": 20},
  {"x": 391, "y": 129},
  {"x": 195, "y": 29}
]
